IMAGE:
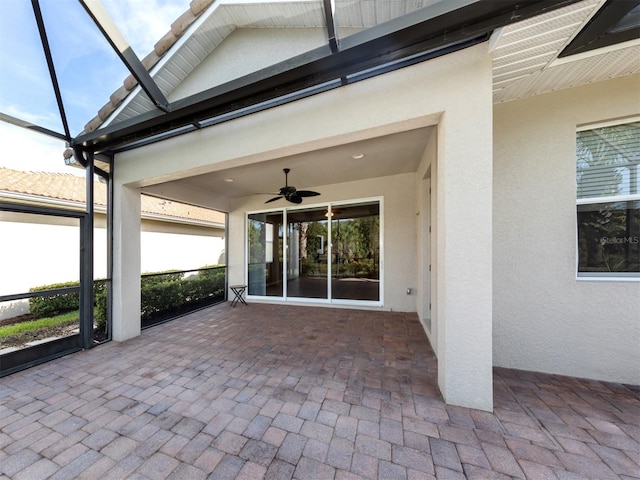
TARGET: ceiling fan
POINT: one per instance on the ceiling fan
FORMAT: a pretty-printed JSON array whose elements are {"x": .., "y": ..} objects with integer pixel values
[{"x": 290, "y": 193}]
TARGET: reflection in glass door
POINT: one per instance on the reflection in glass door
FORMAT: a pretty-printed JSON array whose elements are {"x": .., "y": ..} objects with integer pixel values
[
  {"x": 265, "y": 254},
  {"x": 329, "y": 252},
  {"x": 355, "y": 252},
  {"x": 307, "y": 253}
]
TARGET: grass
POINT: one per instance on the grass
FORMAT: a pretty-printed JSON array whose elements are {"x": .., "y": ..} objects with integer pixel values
[{"x": 17, "y": 328}]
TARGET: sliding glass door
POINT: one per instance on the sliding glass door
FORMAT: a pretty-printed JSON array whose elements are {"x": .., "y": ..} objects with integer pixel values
[
  {"x": 265, "y": 254},
  {"x": 330, "y": 253},
  {"x": 307, "y": 232},
  {"x": 355, "y": 252}
]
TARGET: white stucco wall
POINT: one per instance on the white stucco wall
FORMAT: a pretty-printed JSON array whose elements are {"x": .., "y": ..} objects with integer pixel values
[
  {"x": 544, "y": 318},
  {"x": 426, "y": 248},
  {"x": 454, "y": 92},
  {"x": 399, "y": 231}
]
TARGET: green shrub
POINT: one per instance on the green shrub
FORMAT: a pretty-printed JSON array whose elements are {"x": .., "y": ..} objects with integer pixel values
[
  {"x": 159, "y": 294},
  {"x": 52, "y": 305},
  {"x": 161, "y": 277},
  {"x": 160, "y": 297},
  {"x": 100, "y": 305}
]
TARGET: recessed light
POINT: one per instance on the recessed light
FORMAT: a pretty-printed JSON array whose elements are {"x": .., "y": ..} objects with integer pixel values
[
  {"x": 357, "y": 156},
  {"x": 229, "y": 180}
]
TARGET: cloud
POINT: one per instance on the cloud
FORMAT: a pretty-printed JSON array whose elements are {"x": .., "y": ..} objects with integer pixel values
[
  {"x": 41, "y": 118},
  {"x": 144, "y": 22},
  {"x": 31, "y": 151}
]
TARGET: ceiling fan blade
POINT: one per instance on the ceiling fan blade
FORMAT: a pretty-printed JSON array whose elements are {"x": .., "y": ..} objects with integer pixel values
[
  {"x": 273, "y": 199},
  {"x": 295, "y": 198},
  {"x": 306, "y": 193}
]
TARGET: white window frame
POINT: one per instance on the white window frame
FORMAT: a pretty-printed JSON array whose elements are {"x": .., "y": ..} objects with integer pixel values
[
  {"x": 603, "y": 276},
  {"x": 330, "y": 300}
]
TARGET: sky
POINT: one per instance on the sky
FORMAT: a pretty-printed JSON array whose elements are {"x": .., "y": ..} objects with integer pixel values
[{"x": 88, "y": 69}]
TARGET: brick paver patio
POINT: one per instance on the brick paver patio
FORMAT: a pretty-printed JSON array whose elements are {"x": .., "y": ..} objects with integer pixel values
[{"x": 282, "y": 392}]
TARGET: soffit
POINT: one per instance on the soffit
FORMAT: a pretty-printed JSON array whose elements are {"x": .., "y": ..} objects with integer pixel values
[{"x": 525, "y": 56}]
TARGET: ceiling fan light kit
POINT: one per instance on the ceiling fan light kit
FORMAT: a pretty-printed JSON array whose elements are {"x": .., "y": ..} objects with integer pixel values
[{"x": 289, "y": 192}]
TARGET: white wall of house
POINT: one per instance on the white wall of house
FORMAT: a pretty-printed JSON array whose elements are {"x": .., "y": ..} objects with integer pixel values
[
  {"x": 544, "y": 318},
  {"x": 453, "y": 92},
  {"x": 426, "y": 248}
]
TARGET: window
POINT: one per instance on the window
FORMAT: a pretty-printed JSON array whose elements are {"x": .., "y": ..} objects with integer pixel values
[{"x": 608, "y": 201}]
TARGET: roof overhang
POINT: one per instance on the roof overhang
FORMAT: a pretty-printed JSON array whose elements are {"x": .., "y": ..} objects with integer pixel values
[{"x": 433, "y": 31}]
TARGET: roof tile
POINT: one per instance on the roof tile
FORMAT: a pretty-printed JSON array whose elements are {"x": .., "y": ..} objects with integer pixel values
[
  {"x": 198, "y": 6},
  {"x": 118, "y": 96},
  {"x": 130, "y": 82},
  {"x": 65, "y": 186},
  {"x": 165, "y": 43},
  {"x": 182, "y": 23}
]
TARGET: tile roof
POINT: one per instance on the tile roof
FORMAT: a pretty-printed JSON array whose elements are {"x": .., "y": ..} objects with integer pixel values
[{"x": 68, "y": 187}]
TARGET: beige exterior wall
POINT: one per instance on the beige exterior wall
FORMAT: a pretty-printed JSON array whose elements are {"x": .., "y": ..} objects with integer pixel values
[
  {"x": 544, "y": 318},
  {"x": 453, "y": 92}
]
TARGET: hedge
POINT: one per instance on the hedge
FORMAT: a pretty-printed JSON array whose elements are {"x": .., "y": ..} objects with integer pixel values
[
  {"x": 172, "y": 293},
  {"x": 52, "y": 305},
  {"x": 160, "y": 293}
]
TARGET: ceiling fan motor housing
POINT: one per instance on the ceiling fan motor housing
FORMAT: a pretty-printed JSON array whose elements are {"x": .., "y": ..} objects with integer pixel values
[{"x": 290, "y": 193}]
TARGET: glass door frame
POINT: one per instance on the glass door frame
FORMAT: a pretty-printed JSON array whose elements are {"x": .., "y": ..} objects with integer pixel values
[{"x": 306, "y": 300}]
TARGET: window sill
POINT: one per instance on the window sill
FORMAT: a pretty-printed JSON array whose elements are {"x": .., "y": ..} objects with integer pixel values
[{"x": 607, "y": 279}]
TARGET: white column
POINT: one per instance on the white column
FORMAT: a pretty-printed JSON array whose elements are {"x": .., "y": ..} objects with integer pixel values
[
  {"x": 126, "y": 262},
  {"x": 464, "y": 248}
]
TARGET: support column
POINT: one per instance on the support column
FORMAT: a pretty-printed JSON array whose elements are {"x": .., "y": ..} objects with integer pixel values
[
  {"x": 464, "y": 249},
  {"x": 126, "y": 262}
]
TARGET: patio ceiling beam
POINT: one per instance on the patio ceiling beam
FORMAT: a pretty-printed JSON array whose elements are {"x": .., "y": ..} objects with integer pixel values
[
  {"x": 111, "y": 32},
  {"x": 437, "y": 27}
]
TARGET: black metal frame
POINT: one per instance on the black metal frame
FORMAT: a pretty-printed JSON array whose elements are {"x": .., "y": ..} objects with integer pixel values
[
  {"x": 50, "y": 64},
  {"x": 596, "y": 33},
  {"x": 126, "y": 53},
  {"x": 427, "y": 33},
  {"x": 441, "y": 26},
  {"x": 28, "y": 357}
]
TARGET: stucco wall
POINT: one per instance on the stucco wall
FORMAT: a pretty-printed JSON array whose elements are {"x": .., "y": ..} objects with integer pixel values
[
  {"x": 544, "y": 318},
  {"x": 399, "y": 232},
  {"x": 452, "y": 91}
]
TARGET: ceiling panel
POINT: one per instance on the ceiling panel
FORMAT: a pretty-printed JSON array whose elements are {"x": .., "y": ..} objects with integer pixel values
[{"x": 386, "y": 155}]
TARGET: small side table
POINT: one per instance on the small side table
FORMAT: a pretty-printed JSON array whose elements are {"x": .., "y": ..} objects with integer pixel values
[{"x": 238, "y": 291}]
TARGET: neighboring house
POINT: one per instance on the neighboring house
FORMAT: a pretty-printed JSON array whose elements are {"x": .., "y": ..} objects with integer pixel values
[
  {"x": 456, "y": 132},
  {"x": 36, "y": 249}
]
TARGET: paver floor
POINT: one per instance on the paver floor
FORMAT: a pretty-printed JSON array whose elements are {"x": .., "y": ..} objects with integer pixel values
[{"x": 280, "y": 392}]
